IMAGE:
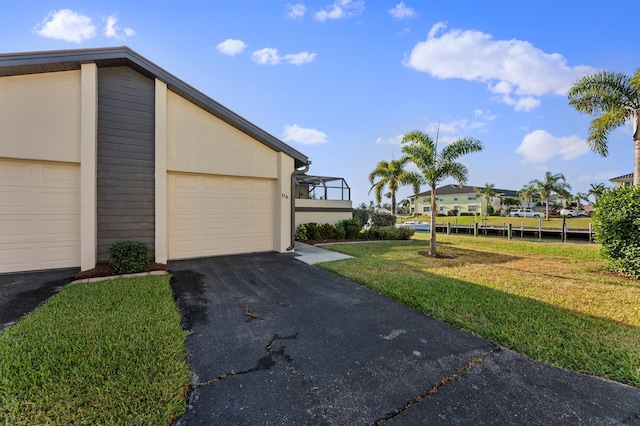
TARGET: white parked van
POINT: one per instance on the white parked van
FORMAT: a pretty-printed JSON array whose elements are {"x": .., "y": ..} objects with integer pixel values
[{"x": 524, "y": 213}]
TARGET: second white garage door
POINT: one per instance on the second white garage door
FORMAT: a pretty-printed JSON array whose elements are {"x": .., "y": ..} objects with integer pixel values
[{"x": 215, "y": 215}]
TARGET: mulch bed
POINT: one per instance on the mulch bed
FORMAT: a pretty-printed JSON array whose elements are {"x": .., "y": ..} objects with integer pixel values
[{"x": 105, "y": 270}]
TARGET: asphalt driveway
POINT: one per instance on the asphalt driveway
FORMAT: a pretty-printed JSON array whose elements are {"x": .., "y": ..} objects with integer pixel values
[
  {"x": 276, "y": 341},
  {"x": 21, "y": 293}
]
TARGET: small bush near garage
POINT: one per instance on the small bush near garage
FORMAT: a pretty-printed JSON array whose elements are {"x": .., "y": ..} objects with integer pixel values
[
  {"x": 616, "y": 222},
  {"x": 383, "y": 219},
  {"x": 127, "y": 257}
]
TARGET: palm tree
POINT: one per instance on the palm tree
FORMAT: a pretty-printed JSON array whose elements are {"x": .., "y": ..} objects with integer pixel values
[
  {"x": 437, "y": 166},
  {"x": 579, "y": 197},
  {"x": 487, "y": 192},
  {"x": 393, "y": 174},
  {"x": 596, "y": 189},
  {"x": 528, "y": 193},
  {"x": 614, "y": 98},
  {"x": 551, "y": 185}
]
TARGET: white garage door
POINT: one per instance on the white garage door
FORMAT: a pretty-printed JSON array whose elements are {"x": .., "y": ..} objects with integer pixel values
[
  {"x": 214, "y": 215},
  {"x": 39, "y": 215}
]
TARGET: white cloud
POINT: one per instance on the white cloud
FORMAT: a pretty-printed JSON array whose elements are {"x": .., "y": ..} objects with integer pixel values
[
  {"x": 266, "y": 56},
  {"x": 296, "y": 11},
  {"x": 514, "y": 69},
  {"x": 396, "y": 140},
  {"x": 295, "y": 133},
  {"x": 599, "y": 177},
  {"x": 231, "y": 47},
  {"x": 300, "y": 58},
  {"x": 400, "y": 11},
  {"x": 340, "y": 9},
  {"x": 112, "y": 30},
  {"x": 270, "y": 56},
  {"x": 67, "y": 25},
  {"x": 539, "y": 146}
]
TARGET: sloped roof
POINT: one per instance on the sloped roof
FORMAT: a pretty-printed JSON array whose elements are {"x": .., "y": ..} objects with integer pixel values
[
  {"x": 623, "y": 178},
  {"x": 67, "y": 60},
  {"x": 466, "y": 189}
]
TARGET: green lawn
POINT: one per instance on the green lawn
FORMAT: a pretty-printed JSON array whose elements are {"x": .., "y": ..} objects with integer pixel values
[
  {"x": 516, "y": 222},
  {"x": 550, "y": 301},
  {"x": 111, "y": 352}
]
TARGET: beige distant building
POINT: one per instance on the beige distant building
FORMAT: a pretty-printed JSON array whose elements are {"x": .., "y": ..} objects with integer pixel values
[{"x": 463, "y": 199}]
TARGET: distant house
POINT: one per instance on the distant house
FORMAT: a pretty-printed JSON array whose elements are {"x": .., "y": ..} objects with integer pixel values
[
  {"x": 463, "y": 199},
  {"x": 624, "y": 180}
]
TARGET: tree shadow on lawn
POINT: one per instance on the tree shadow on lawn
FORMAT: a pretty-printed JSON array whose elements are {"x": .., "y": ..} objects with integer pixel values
[{"x": 410, "y": 251}]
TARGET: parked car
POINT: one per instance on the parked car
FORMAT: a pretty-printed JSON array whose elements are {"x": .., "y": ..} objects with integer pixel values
[
  {"x": 553, "y": 212},
  {"x": 582, "y": 213},
  {"x": 568, "y": 213},
  {"x": 524, "y": 213}
]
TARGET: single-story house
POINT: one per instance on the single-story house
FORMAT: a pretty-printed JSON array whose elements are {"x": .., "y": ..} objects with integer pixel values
[
  {"x": 463, "y": 199},
  {"x": 102, "y": 145}
]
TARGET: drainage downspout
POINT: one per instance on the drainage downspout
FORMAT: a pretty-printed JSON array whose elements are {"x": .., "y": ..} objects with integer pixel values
[{"x": 295, "y": 173}]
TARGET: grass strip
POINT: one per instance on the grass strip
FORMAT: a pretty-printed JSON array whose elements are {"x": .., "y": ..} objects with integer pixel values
[
  {"x": 111, "y": 352},
  {"x": 549, "y": 301}
]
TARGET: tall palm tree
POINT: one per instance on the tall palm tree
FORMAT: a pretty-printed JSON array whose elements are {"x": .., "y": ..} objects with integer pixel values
[
  {"x": 437, "y": 166},
  {"x": 551, "y": 185},
  {"x": 580, "y": 196},
  {"x": 614, "y": 98},
  {"x": 487, "y": 192},
  {"x": 596, "y": 189},
  {"x": 393, "y": 174},
  {"x": 528, "y": 193}
]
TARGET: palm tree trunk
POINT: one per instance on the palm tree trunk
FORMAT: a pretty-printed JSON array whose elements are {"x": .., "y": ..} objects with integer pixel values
[
  {"x": 432, "y": 227},
  {"x": 393, "y": 203},
  {"x": 547, "y": 205},
  {"x": 636, "y": 162}
]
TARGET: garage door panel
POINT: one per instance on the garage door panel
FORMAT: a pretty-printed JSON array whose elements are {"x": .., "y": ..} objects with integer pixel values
[
  {"x": 214, "y": 215},
  {"x": 39, "y": 215}
]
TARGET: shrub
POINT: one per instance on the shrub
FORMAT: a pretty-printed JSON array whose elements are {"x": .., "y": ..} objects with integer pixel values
[
  {"x": 453, "y": 212},
  {"x": 363, "y": 214},
  {"x": 616, "y": 223},
  {"x": 301, "y": 232},
  {"x": 382, "y": 219},
  {"x": 127, "y": 257},
  {"x": 490, "y": 210},
  {"x": 352, "y": 227},
  {"x": 388, "y": 233},
  {"x": 327, "y": 231}
]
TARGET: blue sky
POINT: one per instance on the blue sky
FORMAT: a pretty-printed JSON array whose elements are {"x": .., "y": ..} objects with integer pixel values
[{"x": 343, "y": 80}]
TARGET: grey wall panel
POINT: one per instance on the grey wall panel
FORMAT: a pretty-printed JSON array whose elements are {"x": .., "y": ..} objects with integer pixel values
[{"x": 126, "y": 158}]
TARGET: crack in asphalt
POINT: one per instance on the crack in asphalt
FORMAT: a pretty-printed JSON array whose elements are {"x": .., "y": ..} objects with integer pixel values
[
  {"x": 264, "y": 363},
  {"x": 433, "y": 389}
]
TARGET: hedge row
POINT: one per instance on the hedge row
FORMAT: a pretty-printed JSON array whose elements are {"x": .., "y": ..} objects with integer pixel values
[{"x": 351, "y": 229}]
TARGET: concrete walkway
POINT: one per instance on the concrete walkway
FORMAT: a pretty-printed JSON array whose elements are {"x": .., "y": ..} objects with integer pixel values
[
  {"x": 276, "y": 342},
  {"x": 312, "y": 254}
]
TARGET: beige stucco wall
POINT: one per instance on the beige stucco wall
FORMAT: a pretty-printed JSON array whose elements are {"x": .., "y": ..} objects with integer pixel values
[
  {"x": 88, "y": 167},
  {"x": 40, "y": 116},
  {"x": 320, "y": 216},
  {"x": 199, "y": 142},
  {"x": 284, "y": 198}
]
